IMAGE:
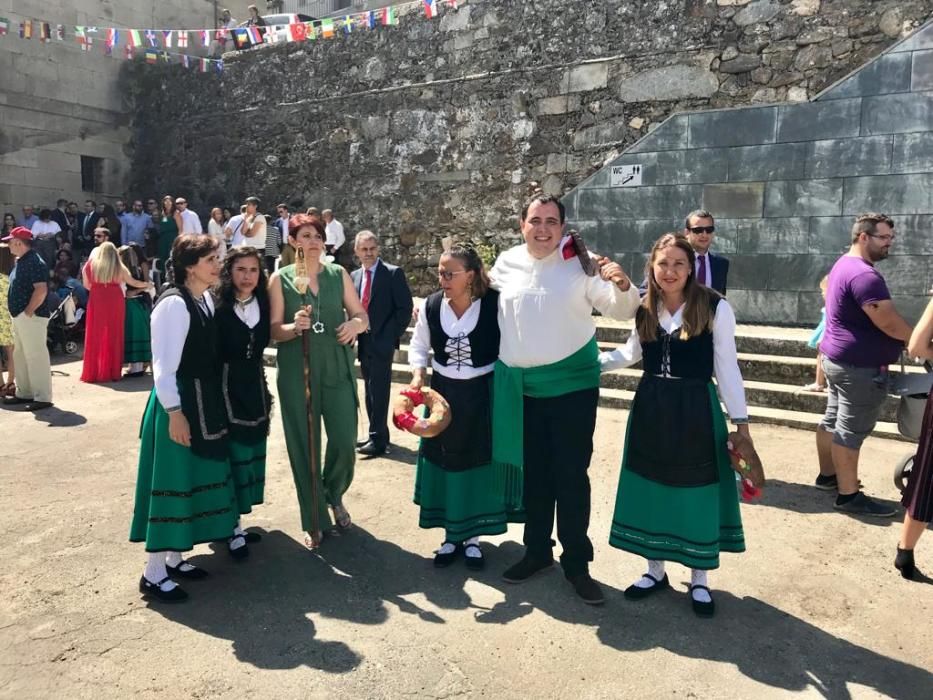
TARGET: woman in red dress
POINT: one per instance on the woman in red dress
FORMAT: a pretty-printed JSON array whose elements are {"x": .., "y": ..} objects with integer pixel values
[{"x": 105, "y": 277}]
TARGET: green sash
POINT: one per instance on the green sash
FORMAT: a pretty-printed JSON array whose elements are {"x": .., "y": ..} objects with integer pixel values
[{"x": 511, "y": 384}]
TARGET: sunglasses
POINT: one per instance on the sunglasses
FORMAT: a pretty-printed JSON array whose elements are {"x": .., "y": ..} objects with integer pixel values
[
  {"x": 702, "y": 229},
  {"x": 446, "y": 275}
]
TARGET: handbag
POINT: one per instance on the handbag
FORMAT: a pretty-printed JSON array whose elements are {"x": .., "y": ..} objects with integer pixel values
[{"x": 913, "y": 390}]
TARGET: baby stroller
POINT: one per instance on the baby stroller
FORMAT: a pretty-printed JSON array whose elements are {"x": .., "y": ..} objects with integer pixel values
[
  {"x": 912, "y": 390},
  {"x": 66, "y": 326}
]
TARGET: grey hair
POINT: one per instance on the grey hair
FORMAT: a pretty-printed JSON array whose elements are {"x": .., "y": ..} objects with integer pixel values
[
  {"x": 364, "y": 235},
  {"x": 697, "y": 214}
]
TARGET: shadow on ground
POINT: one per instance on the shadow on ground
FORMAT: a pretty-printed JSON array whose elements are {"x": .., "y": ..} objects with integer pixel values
[
  {"x": 804, "y": 498},
  {"x": 262, "y": 606}
]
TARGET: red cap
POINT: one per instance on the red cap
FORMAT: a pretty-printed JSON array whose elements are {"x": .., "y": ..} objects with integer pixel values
[{"x": 20, "y": 232}]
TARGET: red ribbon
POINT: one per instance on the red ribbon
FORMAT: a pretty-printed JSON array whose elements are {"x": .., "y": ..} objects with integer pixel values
[
  {"x": 415, "y": 395},
  {"x": 568, "y": 251},
  {"x": 405, "y": 421}
]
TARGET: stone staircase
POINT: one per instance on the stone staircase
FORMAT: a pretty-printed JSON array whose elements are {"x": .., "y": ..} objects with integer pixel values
[{"x": 775, "y": 363}]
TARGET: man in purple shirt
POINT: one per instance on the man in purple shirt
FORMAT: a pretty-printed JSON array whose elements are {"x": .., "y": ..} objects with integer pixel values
[{"x": 864, "y": 334}]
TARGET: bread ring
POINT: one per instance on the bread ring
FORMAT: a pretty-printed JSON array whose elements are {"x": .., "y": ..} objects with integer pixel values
[{"x": 433, "y": 424}]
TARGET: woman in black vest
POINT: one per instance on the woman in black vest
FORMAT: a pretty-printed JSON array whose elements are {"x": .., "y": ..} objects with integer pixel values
[
  {"x": 243, "y": 323},
  {"x": 457, "y": 485},
  {"x": 677, "y": 498},
  {"x": 184, "y": 490}
]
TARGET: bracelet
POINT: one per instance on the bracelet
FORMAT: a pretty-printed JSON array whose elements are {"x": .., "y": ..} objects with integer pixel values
[
  {"x": 739, "y": 421},
  {"x": 173, "y": 409}
]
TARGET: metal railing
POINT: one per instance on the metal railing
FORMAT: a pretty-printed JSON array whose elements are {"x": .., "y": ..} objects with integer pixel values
[{"x": 323, "y": 8}]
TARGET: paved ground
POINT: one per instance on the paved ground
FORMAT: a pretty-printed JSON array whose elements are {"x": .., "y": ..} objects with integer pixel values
[{"x": 814, "y": 607}]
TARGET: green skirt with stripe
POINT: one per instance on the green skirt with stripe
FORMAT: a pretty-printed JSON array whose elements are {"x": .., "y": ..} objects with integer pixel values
[
  {"x": 137, "y": 343},
  {"x": 686, "y": 524},
  {"x": 181, "y": 499},
  {"x": 248, "y": 464},
  {"x": 465, "y": 503}
]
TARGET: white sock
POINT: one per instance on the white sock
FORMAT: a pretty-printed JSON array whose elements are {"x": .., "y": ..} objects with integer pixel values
[
  {"x": 473, "y": 541},
  {"x": 655, "y": 569},
  {"x": 237, "y": 530},
  {"x": 155, "y": 571},
  {"x": 236, "y": 541},
  {"x": 698, "y": 578},
  {"x": 447, "y": 548},
  {"x": 135, "y": 367},
  {"x": 174, "y": 560}
]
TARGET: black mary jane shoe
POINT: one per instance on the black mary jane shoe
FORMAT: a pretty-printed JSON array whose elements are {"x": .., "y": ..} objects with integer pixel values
[
  {"x": 154, "y": 590},
  {"x": 442, "y": 561},
  {"x": 240, "y": 553},
  {"x": 634, "y": 592},
  {"x": 476, "y": 563},
  {"x": 195, "y": 573},
  {"x": 702, "y": 609},
  {"x": 252, "y": 537}
]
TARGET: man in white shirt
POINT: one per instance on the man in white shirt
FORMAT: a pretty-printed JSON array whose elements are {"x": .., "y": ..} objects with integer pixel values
[
  {"x": 547, "y": 385},
  {"x": 44, "y": 231},
  {"x": 334, "y": 231},
  {"x": 253, "y": 229},
  {"x": 710, "y": 269},
  {"x": 191, "y": 222}
]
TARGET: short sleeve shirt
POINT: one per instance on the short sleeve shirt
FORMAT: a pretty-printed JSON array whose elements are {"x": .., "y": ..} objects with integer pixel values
[
  {"x": 850, "y": 336},
  {"x": 28, "y": 270}
]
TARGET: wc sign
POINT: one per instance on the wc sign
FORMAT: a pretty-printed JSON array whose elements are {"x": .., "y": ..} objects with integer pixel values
[{"x": 625, "y": 176}]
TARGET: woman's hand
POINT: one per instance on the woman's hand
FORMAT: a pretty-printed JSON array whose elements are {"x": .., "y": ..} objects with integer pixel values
[
  {"x": 347, "y": 332},
  {"x": 302, "y": 319},
  {"x": 417, "y": 380},
  {"x": 742, "y": 429},
  {"x": 178, "y": 428}
]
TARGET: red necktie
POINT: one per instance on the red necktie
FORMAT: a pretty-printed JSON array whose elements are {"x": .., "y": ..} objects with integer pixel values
[
  {"x": 701, "y": 275},
  {"x": 368, "y": 292}
]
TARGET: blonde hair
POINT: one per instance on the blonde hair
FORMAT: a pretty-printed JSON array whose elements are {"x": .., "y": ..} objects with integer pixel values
[{"x": 106, "y": 265}]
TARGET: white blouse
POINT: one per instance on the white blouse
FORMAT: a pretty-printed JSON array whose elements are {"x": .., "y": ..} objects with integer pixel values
[
  {"x": 725, "y": 358},
  {"x": 217, "y": 232},
  {"x": 458, "y": 346},
  {"x": 248, "y": 314},
  {"x": 546, "y": 306},
  {"x": 169, "y": 324}
]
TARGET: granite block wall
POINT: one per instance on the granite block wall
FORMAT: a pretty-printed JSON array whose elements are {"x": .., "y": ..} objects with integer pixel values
[{"x": 784, "y": 183}]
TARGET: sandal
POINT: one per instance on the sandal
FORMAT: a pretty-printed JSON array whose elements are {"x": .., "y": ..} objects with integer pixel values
[
  {"x": 699, "y": 607},
  {"x": 154, "y": 590},
  {"x": 444, "y": 559},
  {"x": 342, "y": 517},
  {"x": 473, "y": 556},
  {"x": 195, "y": 573},
  {"x": 313, "y": 540},
  {"x": 8, "y": 389},
  {"x": 634, "y": 592}
]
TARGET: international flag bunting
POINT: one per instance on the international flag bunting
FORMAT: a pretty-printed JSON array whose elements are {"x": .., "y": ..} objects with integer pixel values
[
  {"x": 271, "y": 35},
  {"x": 206, "y": 37},
  {"x": 370, "y": 19},
  {"x": 25, "y": 30},
  {"x": 241, "y": 37},
  {"x": 430, "y": 8},
  {"x": 327, "y": 28},
  {"x": 388, "y": 16},
  {"x": 298, "y": 31},
  {"x": 165, "y": 56},
  {"x": 452, "y": 4},
  {"x": 45, "y": 32},
  {"x": 60, "y": 32},
  {"x": 113, "y": 37},
  {"x": 4, "y": 26},
  {"x": 219, "y": 66},
  {"x": 182, "y": 38},
  {"x": 151, "y": 56},
  {"x": 134, "y": 38},
  {"x": 184, "y": 61},
  {"x": 312, "y": 31},
  {"x": 254, "y": 35},
  {"x": 348, "y": 24},
  {"x": 167, "y": 38},
  {"x": 151, "y": 38},
  {"x": 204, "y": 65},
  {"x": 128, "y": 52}
]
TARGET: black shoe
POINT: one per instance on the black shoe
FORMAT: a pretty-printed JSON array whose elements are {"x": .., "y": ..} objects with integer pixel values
[
  {"x": 371, "y": 449},
  {"x": 826, "y": 483},
  {"x": 863, "y": 505},
  {"x": 252, "y": 537},
  {"x": 16, "y": 400},
  {"x": 904, "y": 562},
  {"x": 634, "y": 592},
  {"x": 587, "y": 589},
  {"x": 134, "y": 375},
  {"x": 702, "y": 609},
  {"x": 154, "y": 590},
  {"x": 195, "y": 573},
  {"x": 476, "y": 563},
  {"x": 38, "y": 405},
  {"x": 525, "y": 569},
  {"x": 442, "y": 561},
  {"x": 240, "y": 553},
  {"x": 360, "y": 443}
]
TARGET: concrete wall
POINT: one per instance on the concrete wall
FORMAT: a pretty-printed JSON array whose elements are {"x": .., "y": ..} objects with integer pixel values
[
  {"x": 58, "y": 102},
  {"x": 784, "y": 183}
]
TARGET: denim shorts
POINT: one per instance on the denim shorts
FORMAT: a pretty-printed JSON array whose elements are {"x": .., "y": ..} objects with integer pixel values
[{"x": 856, "y": 395}]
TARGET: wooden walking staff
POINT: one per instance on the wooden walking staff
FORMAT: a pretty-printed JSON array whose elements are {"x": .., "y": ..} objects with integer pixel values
[{"x": 302, "y": 281}]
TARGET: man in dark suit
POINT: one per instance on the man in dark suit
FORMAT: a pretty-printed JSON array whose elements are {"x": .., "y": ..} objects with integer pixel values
[
  {"x": 83, "y": 240},
  {"x": 386, "y": 297},
  {"x": 710, "y": 269}
]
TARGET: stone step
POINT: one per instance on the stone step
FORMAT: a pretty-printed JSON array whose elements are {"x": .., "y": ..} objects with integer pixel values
[{"x": 767, "y": 403}]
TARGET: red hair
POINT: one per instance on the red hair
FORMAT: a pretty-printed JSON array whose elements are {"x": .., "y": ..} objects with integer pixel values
[{"x": 299, "y": 220}]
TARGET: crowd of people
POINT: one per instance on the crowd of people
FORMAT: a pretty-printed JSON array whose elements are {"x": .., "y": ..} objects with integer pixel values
[{"x": 513, "y": 351}]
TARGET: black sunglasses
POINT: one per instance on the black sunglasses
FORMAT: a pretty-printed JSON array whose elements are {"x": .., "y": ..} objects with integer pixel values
[{"x": 702, "y": 229}]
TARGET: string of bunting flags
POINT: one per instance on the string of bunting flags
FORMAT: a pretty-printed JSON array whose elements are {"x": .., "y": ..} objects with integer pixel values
[{"x": 154, "y": 44}]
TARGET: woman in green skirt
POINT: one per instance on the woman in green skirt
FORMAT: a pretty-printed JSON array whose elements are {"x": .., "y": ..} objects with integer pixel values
[
  {"x": 320, "y": 301},
  {"x": 457, "y": 485},
  {"x": 185, "y": 494},
  {"x": 137, "y": 339},
  {"x": 677, "y": 498},
  {"x": 243, "y": 323}
]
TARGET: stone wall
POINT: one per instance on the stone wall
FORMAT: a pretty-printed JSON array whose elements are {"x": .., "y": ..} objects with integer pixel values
[
  {"x": 58, "y": 102},
  {"x": 436, "y": 128}
]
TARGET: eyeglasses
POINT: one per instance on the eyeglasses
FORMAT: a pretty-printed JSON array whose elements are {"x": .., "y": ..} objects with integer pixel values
[
  {"x": 882, "y": 237},
  {"x": 447, "y": 275},
  {"x": 702, "y": 229}
]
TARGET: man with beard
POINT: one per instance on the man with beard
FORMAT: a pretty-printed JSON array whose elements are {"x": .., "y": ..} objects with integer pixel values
[{"x": 864, "y": 334}]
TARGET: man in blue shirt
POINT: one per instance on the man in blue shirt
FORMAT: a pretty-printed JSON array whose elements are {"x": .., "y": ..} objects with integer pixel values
[
  {"x": 135, "y": 223},
  {"x": 29, "y": 218},
  {"x": 29, "y": 286}
]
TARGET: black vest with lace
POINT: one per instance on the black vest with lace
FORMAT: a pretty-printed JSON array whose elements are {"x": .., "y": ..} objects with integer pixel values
[
  {"x": 478, "y": 348},
  {"x": 668, "y": 355}
]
